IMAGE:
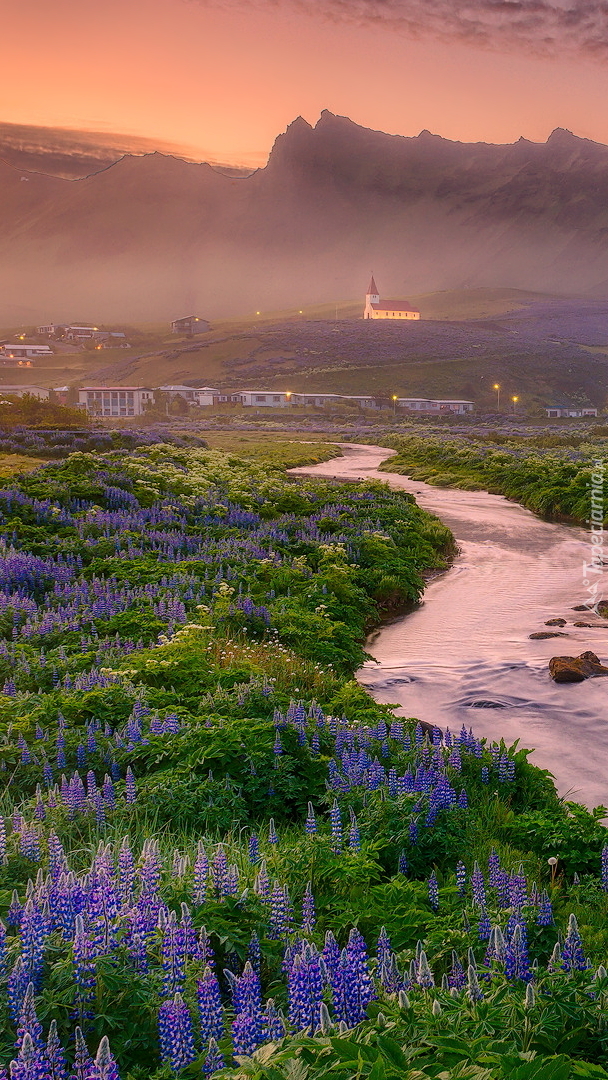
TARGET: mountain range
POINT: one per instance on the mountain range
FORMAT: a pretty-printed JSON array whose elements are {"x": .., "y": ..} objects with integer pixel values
[{"x": 152, "y": 237}]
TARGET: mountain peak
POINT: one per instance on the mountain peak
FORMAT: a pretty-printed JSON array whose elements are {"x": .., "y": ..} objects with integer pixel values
[{"x": 563, "y": 137}]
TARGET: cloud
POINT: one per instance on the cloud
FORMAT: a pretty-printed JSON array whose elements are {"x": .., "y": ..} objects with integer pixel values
[
  {"x": 543, "y": 27},
  {"x": 71, "y": 154}
]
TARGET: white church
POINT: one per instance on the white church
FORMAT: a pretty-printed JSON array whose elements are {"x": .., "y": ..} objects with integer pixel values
[{"x": 375, "y": 308}]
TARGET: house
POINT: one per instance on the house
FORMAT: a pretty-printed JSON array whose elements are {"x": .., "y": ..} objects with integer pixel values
[
  {"x": 436, "y": 405},
  {"x": 24, "y": 349},
  {"x": 261, "y": 398},
  {"x": 375, "y": 308},
  {"x": 84, "y": 333},
  {"x": 115, "y": 400},
  {"x": 51, "y": 329},
  {"x": 20, "y": 391},
  {"x": 61, "y": 394},
  {"x": 194, "y": 395},
  {"x": 320, "y": 401},
  {"x": 189, "y": 325},
  {"x": 557, "y": 410}
]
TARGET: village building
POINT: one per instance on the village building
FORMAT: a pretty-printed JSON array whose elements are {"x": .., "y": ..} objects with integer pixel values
[
  {"x": 194, "y": 395},
  {"x": 24, "y": 349},
  {"x": 21, "y": 391},
  {"x": 557, "y": 410},
  {"x": 436, "y": 405},
  {"x": 261, "y": 398},
  {"x": 189, "y": 325},
  {"x": 115, "y": 400},
  {"x": 375, "y": 308},
  {"x": 50, "y": 329}
]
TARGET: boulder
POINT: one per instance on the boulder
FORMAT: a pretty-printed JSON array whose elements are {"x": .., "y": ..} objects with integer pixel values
[
  {"x": 592, "y": 625},
  {"x": 555, "y": 622},
  {"x": 576, "y": 668},
  {"x": 542, "y": 634}
]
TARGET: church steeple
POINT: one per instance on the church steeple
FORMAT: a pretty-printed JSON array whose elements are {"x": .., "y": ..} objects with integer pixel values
[{"x": 372, "y": 290}]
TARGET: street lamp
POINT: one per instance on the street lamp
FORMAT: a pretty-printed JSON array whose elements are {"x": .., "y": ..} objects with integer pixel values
[
  {"x": 395, "y": 399},
  {"x": 514, "y": 399},
  {"x": 497, "y": 388}
]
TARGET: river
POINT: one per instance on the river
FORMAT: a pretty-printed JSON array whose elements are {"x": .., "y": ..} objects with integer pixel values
[{"x": 465, "y": 656}]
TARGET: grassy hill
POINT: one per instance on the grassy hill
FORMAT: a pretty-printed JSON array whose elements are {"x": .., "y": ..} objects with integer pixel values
[{"x": 541, "y": 348}]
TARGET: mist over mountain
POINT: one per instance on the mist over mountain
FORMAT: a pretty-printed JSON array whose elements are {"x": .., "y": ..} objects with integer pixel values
[{"x": 153, "y": 236}]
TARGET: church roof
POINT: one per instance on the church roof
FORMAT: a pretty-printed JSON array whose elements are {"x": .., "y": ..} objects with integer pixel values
[
  {"x": 394, "y": 305},
  {"x": 373, "y": 289}
]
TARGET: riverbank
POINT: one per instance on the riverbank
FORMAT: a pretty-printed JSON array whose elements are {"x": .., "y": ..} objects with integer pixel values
[
  {"x": 465, "y": 656},
  {"x": 549, "y": 475}
]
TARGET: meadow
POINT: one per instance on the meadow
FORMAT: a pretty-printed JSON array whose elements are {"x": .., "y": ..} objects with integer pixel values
[{"x": 218, "y": 856}]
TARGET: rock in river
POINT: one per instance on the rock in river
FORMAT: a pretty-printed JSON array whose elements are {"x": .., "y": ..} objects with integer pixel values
[
  {"x": 576, "y": 668},
  {"x": 542, "y": 634}
]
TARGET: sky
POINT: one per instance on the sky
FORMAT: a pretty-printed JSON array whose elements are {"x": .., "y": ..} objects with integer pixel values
[{"x": 218, "y": 80}]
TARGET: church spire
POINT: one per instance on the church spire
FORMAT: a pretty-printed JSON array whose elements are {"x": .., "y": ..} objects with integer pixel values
[{"x": 372, "y": 289}]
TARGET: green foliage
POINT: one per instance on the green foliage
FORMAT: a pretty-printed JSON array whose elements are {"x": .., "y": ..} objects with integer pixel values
[{"x": 546, "y": 475}]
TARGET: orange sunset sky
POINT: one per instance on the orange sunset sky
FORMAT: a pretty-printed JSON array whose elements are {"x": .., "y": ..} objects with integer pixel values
[{"x": 219, "y": 81}]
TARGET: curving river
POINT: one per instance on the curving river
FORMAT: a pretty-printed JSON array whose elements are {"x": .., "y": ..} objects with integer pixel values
[{"x": 465, "y": 656}]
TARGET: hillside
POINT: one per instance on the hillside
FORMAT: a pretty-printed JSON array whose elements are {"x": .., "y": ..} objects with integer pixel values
[
  {"x": 151, "y": 236},
  {"x": 541, "y": 348}
]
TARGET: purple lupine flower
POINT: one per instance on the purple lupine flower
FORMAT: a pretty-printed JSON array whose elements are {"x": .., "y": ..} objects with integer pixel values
[
  {"x": 517, "y": 964},
  {"x": 254, "y": 849},
  {"x": 173, "y": 957},
  {"x": 130, "y": 788},
  {"x": 29, "y": 1022},
  {"x": 28, "y": 1064},
  {"x": 214, "y": 1059},
  {"x": 274, "y": 1026},
  {"x": 176, "y": 1033},
  {"x": 278, "y": 915},
  {"x": 308, "y": 910},
  {"x": 573, "y": 957},
  {"x": 254, "y": 952},
  {"x": 478, "y": 887},
  {"x": 305, "y": 989},
  {"x": 311, "y": 821},
  {"x": 474, "y": 991},
  {"x": 424, "y": 975},
  {"x": 17, "y": 985},
  {"x": 402, "y": 864},
  {"x": 201, "y": 876},
  {"x": 604, "y": 868},
  {"x": 55, "y": 1057},
  {"x": 485, "y": 926},
  {"x": 485, "y": 774},
  {"x": 433, "y": 891},
  {"x": 493, "y": 867},
  {"x": 126, "y": 871},
  {"x": 219, "y": 869},
  {"x": 461, "y": 878},
  {"x": 456, "y": 979},
  {"x": 272, "y": 833},
  {"x": 104, "y": 1067},
  {"x": 336, "y": 828},
  {"x": 84, "y": 966},
  {"x": 354, "y": 836},
  {"x": 247, "y": 1028},
  {"x": 359, "y": 966},
  {"x": 545, "y": 910},
  {"x": 518, "y": 888}
]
